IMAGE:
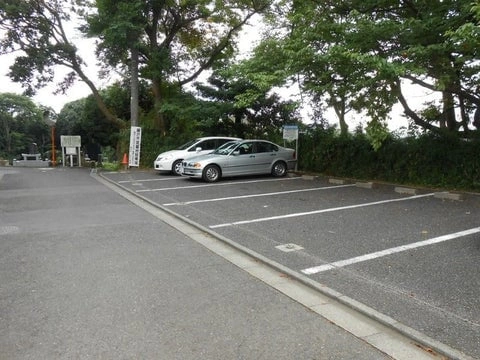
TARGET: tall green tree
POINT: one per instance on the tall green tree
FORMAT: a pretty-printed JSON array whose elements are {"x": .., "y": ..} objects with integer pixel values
[
  {"x": 176, "y": 40},
  {"x": 361, "y": 53},
  {"x": 244, "y": 108},
  {"x": 21, "y": 124}
]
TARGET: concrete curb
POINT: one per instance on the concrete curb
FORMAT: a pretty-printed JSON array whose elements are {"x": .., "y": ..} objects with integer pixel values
[{"x": 443, "y": 195}]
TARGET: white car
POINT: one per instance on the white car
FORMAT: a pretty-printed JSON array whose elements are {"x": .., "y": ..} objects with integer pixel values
[{"x": 171, "y": 161}]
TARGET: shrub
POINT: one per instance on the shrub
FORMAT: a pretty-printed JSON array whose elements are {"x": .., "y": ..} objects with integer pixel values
[{"x": 443, "y": 161}]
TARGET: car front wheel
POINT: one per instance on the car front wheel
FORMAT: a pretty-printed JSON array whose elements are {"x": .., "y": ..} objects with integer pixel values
[
  {"x": 279, "y": 169},
  {"x": 177, "y": 167},
  {"x": 211, "y": 173}
]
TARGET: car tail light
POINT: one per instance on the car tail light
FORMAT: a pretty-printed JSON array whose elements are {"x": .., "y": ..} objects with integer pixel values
[{"x": 295, "y": 155}]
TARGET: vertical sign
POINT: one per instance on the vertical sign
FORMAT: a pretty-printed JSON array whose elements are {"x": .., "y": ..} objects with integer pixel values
[{"x": 135, "y": 143}]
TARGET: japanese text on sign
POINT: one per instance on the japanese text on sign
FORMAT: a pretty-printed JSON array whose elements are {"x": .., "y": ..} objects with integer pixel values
[{"x": 135, "y": 143}]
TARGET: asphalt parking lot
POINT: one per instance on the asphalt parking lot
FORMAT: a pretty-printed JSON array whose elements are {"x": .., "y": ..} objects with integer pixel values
[{"x": 410, "y": 254}]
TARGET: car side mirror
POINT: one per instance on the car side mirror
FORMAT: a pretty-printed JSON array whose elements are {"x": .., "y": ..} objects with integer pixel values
[
  {"x": 236, "y": 153},
  {"x": 198, "y": 149}
]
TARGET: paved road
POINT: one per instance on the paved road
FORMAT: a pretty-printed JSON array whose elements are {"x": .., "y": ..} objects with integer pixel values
[
  {"x": 410, "y": 255},
  {"x": 85, "y": 273}
]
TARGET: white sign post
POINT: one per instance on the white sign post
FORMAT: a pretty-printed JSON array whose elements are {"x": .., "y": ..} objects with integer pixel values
[
  {"x": 290, "y": 133},
  {"x": 135, "y": 144},
  {"x": 71, "y": 146}
]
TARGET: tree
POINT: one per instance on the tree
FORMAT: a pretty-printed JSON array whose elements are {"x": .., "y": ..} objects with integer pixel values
[
  {"x": 364, "y": 51},
  {"x": 176, "y": 41},
  {"x": 90, "y": 123},
  {"x": 35, "y": 29},
  {"x": 69, "y": 116},
  {"x": 253, "y": 110},
  {"x": 21, "y": 124}
]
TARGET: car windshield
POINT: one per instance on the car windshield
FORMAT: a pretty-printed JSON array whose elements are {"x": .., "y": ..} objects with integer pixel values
[
  {"x": 226, "y": 148},
  {"x": 187, "y": 145}
]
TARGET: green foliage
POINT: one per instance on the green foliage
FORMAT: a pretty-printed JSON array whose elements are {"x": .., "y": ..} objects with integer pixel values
[
  {"x": 377, "y": 133},
  {"x": 234, "y": 112},
  {"x": 35, "y": 28},
  {"x": 176, "y": 41},
  {"x": 21, "y": 124},
  {"x": 357, "y": 53},
  {"x": 111, "y": 166},
  {"x": 428, "y": 160},
  {"x": 83, "y": 117}
]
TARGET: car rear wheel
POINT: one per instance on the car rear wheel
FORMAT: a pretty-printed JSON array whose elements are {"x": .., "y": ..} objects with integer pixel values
[
  {"x": 176, "y": 167},
  {"x": 211, "y": 173},
  {"x": 279, "y": 169}
]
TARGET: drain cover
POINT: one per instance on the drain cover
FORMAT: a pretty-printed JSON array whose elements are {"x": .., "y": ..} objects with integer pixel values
[
  {"x": 289, "y": 247},
  {"x": 8, "y": 230}
]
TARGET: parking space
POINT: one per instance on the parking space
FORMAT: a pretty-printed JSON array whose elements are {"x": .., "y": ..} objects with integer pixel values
[{"x": 413, "y": 256}]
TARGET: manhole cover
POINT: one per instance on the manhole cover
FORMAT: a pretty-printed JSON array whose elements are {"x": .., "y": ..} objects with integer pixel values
[
  {"x": 289, "y": 247},
  {"x": 8, "y": 230}
]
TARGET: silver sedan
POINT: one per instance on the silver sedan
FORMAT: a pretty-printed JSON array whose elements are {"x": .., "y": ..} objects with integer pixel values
[{"x": 244, "y": 157}]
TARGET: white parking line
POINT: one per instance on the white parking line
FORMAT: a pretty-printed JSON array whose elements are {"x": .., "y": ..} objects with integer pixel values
[
  {"x": 216, "y": 184},
  {"x": 378, "y": 254},
  {"x": 256, "y": 195},
  {"x": 148, "y": 180},
  {"x": 317, "y": 211}
]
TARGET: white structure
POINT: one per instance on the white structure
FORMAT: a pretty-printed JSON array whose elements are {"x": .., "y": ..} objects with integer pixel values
[{"x": 71, "y": 147}]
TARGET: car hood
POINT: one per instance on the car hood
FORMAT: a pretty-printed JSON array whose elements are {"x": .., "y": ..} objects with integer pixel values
[
  {"x": 199, "y": 158},
  {"x": 170, "y": 153}
]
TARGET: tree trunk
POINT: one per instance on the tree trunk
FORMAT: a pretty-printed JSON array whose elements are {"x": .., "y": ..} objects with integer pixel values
[
  {"x": 134, "y": 87},
  {"x": 8, "y": 137},
  {"x": 339, "y": 108},
  {"x": 157, "y": 94},
  {"x": 449, "y": 111}
]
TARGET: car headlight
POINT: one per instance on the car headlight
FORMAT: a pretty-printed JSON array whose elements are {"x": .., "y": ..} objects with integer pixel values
[
  {"x": 163, "y": 157},
  {"x": 194, "y": 165}
]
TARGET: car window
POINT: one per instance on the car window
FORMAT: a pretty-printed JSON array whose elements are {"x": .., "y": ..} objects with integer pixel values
[
  {"x": 187, "y": 145},
  {"x": 246, "y": 148},
  {"x": 226, "y": 148},
  {"x": 205, "y": 145},
  {"x": 220, "y": 142},
  {"x": 263, "y": 147}
]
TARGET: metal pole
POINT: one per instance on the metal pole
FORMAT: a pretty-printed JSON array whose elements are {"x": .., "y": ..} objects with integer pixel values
[
  {"x": 54, "y": 160},
  {"x": 296, "y": 152}
]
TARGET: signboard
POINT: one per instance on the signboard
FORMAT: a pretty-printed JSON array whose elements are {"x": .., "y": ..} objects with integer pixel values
[
  {"x": 290, "y": 132},
  {"x": 71, "y": 145},
  {"x": 135, "y": 143},
  {"x": 70, "y": 150},
  {"x": 70, "y": 141}
]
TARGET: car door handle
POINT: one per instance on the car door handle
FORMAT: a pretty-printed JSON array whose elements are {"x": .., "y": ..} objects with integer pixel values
[{"x": 252, "y": 156}]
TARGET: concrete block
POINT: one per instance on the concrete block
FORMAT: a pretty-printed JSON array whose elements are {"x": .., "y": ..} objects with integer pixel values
[
  {"x": 365, "y": 185},
  {"x": 448, "y": 196},
  {"x": 336, "y": 181},
  {"x": 404, "y": 190}
]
